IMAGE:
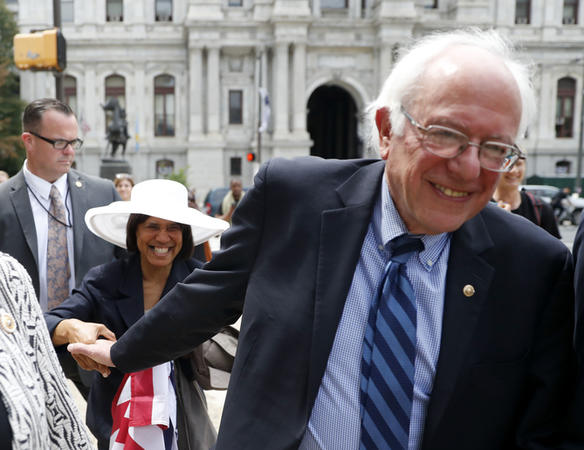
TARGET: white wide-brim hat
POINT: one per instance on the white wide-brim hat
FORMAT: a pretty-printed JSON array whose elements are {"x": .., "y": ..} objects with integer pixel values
[{"x": 165, "y": 199}]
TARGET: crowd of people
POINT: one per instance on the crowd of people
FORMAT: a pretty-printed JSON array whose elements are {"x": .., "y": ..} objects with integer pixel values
[{"x": 398, "y": 303}]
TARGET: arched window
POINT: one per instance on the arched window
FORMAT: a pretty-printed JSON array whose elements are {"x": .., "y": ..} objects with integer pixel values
[
  {"x": 115, "y": 87},
  {"x": 70, "y": 92},
  {"x": 164, "y": 105},
  {"x": 563, "y": 167},
  {"x": 565, "y": 107}
]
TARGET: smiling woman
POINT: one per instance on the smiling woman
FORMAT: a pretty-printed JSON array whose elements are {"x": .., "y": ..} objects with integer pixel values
[
  {"x": 509, "y": 196},
  {"x": 159, "y": 231}
]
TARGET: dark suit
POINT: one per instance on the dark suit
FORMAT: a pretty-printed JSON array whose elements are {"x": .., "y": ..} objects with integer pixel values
[
  {"x": 17, "y": 230},
  {"x": 110, "y": 294},
  {"x": 505, "y": 363},
  {"x": 18, "y": 237}
]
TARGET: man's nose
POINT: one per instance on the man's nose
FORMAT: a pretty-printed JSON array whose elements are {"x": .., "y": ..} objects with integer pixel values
[
  {"x": 467, "y": 165},
  {"x": 69, "y": 148}
]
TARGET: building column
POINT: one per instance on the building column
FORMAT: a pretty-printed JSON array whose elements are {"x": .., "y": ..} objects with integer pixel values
[
  {"x": 281, "y": 89},
  {"x": 213, "y": 93},
  {"x": 299, "y": 88},
  {"x": 143, "y": 107},
  {"x": 195, "y": 92},
  {"x": 90, "y": 102}
]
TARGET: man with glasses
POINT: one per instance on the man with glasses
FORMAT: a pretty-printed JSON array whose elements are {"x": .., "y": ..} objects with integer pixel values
[
  {"x": 385, "y": 304},
  {"x": 50, "y": 137}
]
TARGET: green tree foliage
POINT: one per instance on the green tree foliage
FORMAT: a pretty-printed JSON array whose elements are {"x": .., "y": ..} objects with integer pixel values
[
  {"x": 179, "y": 176},
  {"x": 11, "y": 149}
]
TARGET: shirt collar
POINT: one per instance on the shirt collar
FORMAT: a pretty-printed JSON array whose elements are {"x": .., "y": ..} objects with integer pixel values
[
  {"x": 41, "y": 187},
  {"x": 391, "y": 226}
]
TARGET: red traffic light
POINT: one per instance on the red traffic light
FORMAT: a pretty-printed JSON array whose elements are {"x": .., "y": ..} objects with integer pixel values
[{"x": 250, "y": 156}]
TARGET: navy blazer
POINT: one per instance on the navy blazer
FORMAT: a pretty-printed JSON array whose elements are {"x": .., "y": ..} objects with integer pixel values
[
  {"x": 111, "y": 294},
  {"x": 505, "y": 365},
  {"x": 17, "y": 229}
]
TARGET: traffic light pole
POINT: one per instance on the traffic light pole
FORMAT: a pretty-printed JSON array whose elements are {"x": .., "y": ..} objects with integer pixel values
[{"x": 59, "y": 93}]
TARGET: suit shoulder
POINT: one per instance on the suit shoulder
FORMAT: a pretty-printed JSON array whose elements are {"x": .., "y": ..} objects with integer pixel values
[
  {"x": 518, "y": 232},
  {"x": 93, "y": 181},
  {"x": 311, "y": 172},
  {"x": 103, "y": 275}
]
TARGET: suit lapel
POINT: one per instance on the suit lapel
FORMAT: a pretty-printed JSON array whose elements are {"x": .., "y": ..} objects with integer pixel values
[
  {"x": 466, "y": 268},
  {"x": 21, "y": 203},
  {"x": 342, "y": 232},
  {"x": 130, "y": 302},
  {"x": 78, "y": 192}
]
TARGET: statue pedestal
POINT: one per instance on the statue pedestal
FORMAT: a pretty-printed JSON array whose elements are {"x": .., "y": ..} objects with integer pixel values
[{"x": 110, "y": 167}]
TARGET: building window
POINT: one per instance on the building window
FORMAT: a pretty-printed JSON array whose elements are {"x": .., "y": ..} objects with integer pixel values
[
  {"x": 431, "y": 4},
  {"x": 522, "y": 11},
  {"x": 164, "y": 168},
  {"x": 563, "y": 167},
  {"x": 67, "y": 11},
  {"x": 235, "y": 166},
  {"x": 565, "y": 107},
  {"x": 570, "y": 16},
  {"x": 115, "y": 87},
  {"x": 235, "y": 107},
  {"x": 333, "y": 4},
  {"x": 70, "y": 91},
  {"x": 114, "y": 10},
  {"x": 235, "y": 2},
  {"x": 164, "y": 105},
  {"x": 163, "y": 10}
]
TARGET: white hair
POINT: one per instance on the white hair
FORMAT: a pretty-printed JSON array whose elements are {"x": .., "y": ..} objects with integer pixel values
[{"x": 403, "y": 82}]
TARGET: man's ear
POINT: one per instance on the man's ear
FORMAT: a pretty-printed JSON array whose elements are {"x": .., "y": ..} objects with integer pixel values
[
  {"x": 384, "y": 128},
  {"x": 26, "y": 139}
]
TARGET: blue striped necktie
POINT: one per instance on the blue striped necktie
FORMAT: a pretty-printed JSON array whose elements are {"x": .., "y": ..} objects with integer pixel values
[{"x": 389, "y": 353}]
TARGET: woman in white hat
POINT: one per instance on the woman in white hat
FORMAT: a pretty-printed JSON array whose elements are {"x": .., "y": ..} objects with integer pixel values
[{"x": 159, "y": 231}]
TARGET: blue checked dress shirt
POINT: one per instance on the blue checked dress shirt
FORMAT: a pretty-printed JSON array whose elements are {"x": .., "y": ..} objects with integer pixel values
[{"x": 335, "y": 422}]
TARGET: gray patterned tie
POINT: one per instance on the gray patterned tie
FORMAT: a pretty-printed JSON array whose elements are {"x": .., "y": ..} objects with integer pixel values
[{"x": 57, "y": 256}]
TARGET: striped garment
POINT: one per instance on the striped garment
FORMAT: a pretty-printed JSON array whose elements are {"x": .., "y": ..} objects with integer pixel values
[
  {"x": 144, "y": 411},
  {"x": 41, "y": 411}
]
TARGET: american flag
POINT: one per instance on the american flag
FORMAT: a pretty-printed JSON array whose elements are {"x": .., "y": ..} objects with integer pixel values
[{"x": 144, "y": 411}]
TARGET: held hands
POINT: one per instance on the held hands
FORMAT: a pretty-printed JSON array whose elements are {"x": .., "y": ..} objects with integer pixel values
[
  {"x": 96, "y": 355},
  {"x": 76, "y": 331}
]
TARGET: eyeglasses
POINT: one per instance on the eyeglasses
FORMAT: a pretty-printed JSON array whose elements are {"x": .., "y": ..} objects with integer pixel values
[
  {"x": 448, "y": 143},
  {"x": 60, "y": 144}
]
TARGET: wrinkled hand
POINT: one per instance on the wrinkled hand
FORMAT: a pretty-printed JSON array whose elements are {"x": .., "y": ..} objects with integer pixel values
[
  {"x": 96, "y": 355},
  {"x": 85, "y": 362}
]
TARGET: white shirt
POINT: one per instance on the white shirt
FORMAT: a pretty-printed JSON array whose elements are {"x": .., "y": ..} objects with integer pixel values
[{"x": 38, "y": 194}]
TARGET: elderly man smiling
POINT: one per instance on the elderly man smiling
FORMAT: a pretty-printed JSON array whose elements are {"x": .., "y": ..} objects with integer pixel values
[{"x": 384, "y": 306}]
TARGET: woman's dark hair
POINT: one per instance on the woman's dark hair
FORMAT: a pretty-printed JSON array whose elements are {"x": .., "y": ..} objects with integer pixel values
[{"x": 132, "y": 227}]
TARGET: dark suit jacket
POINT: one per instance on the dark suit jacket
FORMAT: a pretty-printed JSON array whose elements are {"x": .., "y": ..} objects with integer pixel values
[
  {"x": 110, "y": 294},
  {"x": 17, "y": 230},
  {"x": 505, "y": 363}
]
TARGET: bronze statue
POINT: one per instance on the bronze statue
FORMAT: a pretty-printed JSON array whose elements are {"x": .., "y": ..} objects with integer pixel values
[{"x": 117, "y": 130}]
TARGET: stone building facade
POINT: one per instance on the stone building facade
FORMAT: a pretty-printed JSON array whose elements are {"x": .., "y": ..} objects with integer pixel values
[{"x": 188, "y": 73}]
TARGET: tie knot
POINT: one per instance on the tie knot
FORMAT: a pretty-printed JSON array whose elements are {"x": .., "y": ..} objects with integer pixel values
[
  {"x": 55, "y": 194},
  {"x": 403, "y": 246}
]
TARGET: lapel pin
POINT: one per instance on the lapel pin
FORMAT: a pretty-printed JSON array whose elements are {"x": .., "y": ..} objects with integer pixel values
[
  {"x": 78, "y": 183},
  {"x": 7, "y": 323},
  {"x": 468, "y": 290}
]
